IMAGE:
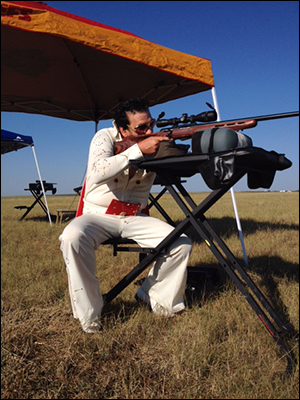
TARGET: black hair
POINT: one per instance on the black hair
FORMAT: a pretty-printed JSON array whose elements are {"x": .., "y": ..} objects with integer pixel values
[{"x": 134, "y": 106}]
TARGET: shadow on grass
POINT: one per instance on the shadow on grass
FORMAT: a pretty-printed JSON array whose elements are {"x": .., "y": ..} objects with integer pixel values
[
  {"x": 45, "y": 218},
  {"x": 206, "y": 281},
  {"x": 226, "y": 227},
  {"x": 203, "y": 282},
  {"x": 268, "y": 270}
]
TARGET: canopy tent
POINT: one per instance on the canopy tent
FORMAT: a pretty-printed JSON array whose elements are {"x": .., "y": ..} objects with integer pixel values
[
  {"x": 58, "y": 64},
  {"x": 11, "y": 141},
  {"x": 61, "y": 65}
]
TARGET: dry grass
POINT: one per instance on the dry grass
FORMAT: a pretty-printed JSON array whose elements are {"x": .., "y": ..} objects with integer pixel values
[{"x": 217, "y": 348}]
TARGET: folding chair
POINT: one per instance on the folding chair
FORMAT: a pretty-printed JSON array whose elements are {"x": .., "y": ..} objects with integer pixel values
[{"x": 128, "y": 245}]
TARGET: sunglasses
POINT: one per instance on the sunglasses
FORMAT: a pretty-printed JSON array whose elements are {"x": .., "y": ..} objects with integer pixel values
[{"x": 141, "y": 129}]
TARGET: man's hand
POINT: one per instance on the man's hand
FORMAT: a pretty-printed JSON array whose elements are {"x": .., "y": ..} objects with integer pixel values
[{"x": 151, "y": 144}]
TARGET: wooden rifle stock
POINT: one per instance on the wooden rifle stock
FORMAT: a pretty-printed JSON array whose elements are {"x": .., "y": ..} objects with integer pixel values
[{"x": 186, "y": 132}]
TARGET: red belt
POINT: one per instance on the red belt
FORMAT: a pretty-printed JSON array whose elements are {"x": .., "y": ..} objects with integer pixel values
[{"x": 122, "y": 208}]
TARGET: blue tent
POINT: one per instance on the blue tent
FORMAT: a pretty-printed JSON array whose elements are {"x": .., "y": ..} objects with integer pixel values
[{"x": 11, "y": 141}]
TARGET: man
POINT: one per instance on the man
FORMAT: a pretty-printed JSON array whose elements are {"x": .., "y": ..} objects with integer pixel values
[{"x": 115, "y": 196}]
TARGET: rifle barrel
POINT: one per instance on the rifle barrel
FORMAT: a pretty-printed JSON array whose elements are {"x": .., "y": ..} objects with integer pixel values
[
  {"x": 277, "y": 116},
  {"x": 271, "y": 116}
]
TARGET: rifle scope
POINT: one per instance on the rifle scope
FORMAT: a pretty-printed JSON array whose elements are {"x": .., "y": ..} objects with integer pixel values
[{"x": 206, "y": 116}]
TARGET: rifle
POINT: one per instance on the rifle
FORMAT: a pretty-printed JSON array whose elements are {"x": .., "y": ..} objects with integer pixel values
[{"x": 186, "y": 131}]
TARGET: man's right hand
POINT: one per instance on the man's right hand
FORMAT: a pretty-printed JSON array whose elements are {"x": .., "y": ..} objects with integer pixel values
[{"x": 151, "y": 144}]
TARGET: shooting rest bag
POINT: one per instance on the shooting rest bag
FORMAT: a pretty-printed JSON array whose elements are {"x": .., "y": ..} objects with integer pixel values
[
  {"x": 218, "y": 139},
  {"x": 220, "y": 170},
  {"x": 170, "y": 148}
]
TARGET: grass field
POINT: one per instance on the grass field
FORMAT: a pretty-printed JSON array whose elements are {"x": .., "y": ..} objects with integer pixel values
[{"x": 217, "y": 348}]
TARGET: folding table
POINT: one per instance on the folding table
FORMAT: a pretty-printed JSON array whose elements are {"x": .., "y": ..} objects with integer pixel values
[
  {"x": 220, "y": 171},
  {"x": 37, "y": 192}
]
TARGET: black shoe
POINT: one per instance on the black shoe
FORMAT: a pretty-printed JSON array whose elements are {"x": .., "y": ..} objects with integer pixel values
[{"x": 139, "y": 300}]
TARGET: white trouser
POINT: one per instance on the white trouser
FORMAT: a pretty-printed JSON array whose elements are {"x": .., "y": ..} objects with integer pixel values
[{"x": 165, "y": 283}]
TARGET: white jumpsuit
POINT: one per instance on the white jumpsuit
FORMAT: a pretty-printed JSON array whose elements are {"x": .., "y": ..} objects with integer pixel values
[{"x": 108, "y": 178}]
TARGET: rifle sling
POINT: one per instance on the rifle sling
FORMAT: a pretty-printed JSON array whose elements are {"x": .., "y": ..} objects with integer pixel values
[{"x": 211, "y": 140}]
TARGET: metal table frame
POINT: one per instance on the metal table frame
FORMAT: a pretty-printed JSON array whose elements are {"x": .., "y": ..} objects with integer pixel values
[
  {"x": 37, "y": 193},
  {"x": 194, "y": 216}
]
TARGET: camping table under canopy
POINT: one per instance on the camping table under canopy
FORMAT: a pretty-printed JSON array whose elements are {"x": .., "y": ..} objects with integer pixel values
[{"x": 12, "y": 141}]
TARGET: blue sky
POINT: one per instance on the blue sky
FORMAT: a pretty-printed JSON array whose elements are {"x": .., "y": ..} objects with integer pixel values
[{"x": 254, "y": 50}]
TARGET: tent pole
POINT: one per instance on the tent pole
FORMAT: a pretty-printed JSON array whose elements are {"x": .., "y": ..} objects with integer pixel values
[
  {"x": 42, "y": 185},
  {"x": 238, "y": 222}
]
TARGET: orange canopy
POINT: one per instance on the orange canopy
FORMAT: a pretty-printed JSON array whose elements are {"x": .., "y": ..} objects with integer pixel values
[{"x": 61, "y": 65}]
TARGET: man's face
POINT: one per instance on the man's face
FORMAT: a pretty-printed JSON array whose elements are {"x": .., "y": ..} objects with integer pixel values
[{"x": 140, "y": 123}]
